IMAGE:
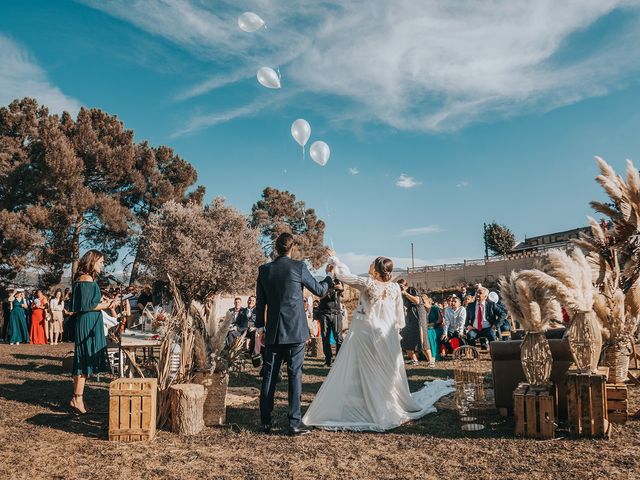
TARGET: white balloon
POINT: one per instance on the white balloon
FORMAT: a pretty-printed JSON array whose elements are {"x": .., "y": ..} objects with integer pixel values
[
  {"x": 250, "y": 22},
  {"x": 301, "y": 131},
  {"x": 268, "y": 77},
  {"x": 320, "y": 152}
]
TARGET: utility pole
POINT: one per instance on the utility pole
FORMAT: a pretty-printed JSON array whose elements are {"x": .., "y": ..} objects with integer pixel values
[
  {"x": 484, "y": 237},
  {"x": 413, "y": 264}
]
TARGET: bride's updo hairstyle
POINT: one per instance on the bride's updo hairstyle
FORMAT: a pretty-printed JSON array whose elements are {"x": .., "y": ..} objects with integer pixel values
[{"x": 384, "y": 267}]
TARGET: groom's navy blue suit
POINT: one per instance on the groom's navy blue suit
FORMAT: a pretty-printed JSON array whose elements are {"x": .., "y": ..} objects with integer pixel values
[{"x": 280, "y": 289}]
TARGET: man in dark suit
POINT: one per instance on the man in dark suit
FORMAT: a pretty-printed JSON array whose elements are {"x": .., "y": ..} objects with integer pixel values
[
  {"x": 280, "y": 289},
  {"x": 483, "y": 317}
]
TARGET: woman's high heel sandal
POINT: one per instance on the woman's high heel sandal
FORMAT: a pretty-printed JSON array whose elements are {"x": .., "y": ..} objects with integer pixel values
[{"x": 75, "y": 409}]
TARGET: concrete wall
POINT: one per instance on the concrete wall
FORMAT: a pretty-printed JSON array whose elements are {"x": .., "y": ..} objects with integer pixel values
[{"x": 470, "y": 271}]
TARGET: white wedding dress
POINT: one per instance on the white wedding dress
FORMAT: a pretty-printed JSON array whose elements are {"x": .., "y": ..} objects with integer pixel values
[{"x": 367, "y": 387}]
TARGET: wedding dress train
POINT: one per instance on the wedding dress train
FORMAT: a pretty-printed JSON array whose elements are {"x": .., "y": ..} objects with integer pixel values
[{"x": 367, "y": 387}]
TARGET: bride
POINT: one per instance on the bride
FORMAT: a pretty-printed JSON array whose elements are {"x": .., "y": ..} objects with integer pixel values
[{"x": 367, "y": 387}]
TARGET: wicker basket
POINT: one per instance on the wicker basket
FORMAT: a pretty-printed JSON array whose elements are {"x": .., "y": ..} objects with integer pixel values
[
  {"x": 215, "y": 404},
  {"x": 616, "y": 357}
]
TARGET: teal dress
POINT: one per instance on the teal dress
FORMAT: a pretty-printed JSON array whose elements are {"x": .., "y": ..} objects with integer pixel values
[
  {"x": 435, "y": 333},
  {"x": 18, "y": 331},
  {"x": 91, "y": 345}
]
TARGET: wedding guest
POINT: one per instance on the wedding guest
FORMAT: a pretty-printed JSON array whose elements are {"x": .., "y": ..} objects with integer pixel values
[
  {"x": 6, "y": 313},
  {"x": 410, "y": 334},
  {"x": 434, "y": 326},
  {"x": 38, "y": 332},
  {"x": 463, "y": 293},
  {"x": 145, "y": 297},
  {"x": 56, "y": 305},
  {"x": 90, "y": 354},
  {"x": 455, "y": 316},
  {"x": 429, "y": 336},
  {"x": 68, "y": 325},
  {"x": 467, "y": 300},
  {"x": 232, "y": 317},
  {"x": 505, "y": 325},
  {"x": 245, "y": 322},
  {"x": 18, "y": 332},
  {"x": 483, "y": 317},
  {"x": 329, "y": 314}
]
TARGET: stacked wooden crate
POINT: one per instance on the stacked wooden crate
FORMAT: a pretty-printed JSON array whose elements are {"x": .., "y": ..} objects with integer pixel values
[
  {"x": 617, "y": 407},
  {"x": 587, "y": 403},
  {"x": 535, "y": 411}
]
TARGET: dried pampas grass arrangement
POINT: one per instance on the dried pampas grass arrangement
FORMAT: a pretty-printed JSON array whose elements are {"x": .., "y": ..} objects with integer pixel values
[
  {"x": 567, "y": 277},
  {"x": 534, "y": 308}
]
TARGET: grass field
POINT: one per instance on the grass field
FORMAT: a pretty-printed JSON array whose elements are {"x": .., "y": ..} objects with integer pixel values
[{"x": 39, "y": 438}]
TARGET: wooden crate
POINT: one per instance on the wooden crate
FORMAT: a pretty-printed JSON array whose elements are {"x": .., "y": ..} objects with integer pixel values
[
  {"x": 587, "y": 403},
  {"x": 132, "y": 409},
  {"x": 617, "y": 407},
  {"x": 535, "y": 411}
]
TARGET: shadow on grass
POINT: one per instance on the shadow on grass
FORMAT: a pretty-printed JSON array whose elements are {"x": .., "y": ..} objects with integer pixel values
[
  {"x": 54, "y": 395},
  {"x": 25, "y": 356},
  {"x": 89, "y": 425},
  {"x": 34, "y": 367}
]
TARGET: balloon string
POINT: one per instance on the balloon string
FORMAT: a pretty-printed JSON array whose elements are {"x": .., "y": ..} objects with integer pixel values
[{"x": 303, "y": 153}]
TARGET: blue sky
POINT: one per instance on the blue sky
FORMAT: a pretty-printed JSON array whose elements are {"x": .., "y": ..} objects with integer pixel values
[{"x": 440, "y": 115}]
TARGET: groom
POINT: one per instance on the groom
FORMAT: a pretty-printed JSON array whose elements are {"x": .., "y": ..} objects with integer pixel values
[{"x": 285, "y": 330}]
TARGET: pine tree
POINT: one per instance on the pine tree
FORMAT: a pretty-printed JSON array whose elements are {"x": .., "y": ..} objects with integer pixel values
[
  {"x": 498, "y": 238},
  {"x": 278, "y": 212}
]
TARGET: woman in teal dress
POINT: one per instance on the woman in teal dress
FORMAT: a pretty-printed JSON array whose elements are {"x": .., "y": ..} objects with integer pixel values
[
  {"x": 435, "y": 329},
  {"x": 90, "y": 343},
  {"x": 18, "y": 331}
]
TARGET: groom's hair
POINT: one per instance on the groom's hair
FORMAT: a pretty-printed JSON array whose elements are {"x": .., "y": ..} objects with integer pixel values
[{"x": 284, "y": 243}]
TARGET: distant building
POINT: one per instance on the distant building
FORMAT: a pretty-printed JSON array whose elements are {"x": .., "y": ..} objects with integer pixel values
[
  {"x": 550, "y": 240},
  {"x": 489, "y": 270}
]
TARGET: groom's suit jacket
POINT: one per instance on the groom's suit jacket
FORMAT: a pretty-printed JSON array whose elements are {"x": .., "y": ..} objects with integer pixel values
[{"x": 279, "y": 288}]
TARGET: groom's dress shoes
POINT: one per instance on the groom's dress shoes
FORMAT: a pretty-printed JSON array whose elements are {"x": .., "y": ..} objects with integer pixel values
[
  {"x": 266, "y": 428},
  {"x": 299, "y": 430}
]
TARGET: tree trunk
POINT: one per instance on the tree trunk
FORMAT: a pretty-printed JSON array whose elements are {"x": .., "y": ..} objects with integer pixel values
[
  {"x": 187, "y": 408},
  {"x": 135, "y": 267},
  {"x": 75, "y": 255}
]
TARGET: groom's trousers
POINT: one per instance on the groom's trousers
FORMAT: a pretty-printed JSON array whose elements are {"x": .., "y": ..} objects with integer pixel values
[{"x": 293, "y": 355}]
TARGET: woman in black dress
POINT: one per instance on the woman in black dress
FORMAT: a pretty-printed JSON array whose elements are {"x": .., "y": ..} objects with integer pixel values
[{"x": 411, "y": 341}]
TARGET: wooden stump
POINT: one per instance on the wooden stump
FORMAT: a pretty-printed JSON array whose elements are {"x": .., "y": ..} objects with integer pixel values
[
  {"x": 187, "y": 403},
  {"x": 215, "y": 403}
]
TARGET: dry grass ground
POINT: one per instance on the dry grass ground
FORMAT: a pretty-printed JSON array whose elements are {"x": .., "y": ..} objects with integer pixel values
[{"x": 39, "y": 438}]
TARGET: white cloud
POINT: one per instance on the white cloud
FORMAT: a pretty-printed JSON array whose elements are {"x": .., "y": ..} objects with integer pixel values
[
  {"x": 354, "y": 171},
  {"x": 21, "y": 76},
  {"x": 201, "y": 121},
  {"x": 421, "y": 230},
  {"x": 359, "y": 263},
  {"x": 462, "y": 184},
  {"x": 422, "y": 66},
  {"x": 405, "y": 181}
]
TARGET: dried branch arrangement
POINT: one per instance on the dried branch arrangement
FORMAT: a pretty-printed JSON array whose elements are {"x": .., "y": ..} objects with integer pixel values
[{"x": 201, "y": 349}]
